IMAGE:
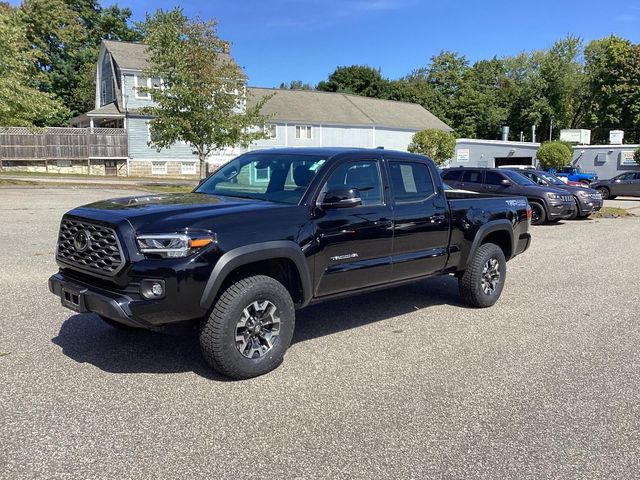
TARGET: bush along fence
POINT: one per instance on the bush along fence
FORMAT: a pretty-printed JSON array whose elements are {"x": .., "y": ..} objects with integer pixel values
[{"x": 98, "y": 151}]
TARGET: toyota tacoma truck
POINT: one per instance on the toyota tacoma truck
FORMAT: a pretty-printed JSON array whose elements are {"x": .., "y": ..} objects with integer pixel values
[{"x": 274, "y": 231}]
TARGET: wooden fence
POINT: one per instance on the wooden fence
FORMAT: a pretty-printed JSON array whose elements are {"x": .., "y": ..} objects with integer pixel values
[{"x": 19, "y": 144}]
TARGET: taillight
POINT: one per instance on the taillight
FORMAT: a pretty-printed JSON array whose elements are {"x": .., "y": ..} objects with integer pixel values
[{"x": 529, "y": 214}]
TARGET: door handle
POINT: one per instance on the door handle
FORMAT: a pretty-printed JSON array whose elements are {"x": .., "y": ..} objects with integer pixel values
[
  {"x": 384, "y": 223},
  {"x": 437, "y": 218}
]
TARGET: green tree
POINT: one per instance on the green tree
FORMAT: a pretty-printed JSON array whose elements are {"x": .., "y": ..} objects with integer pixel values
[
  {"x": 636, "y": 155},
  {"x": 554, "y": 154},
  {"x": 481, "y": 102},
  {"x": 203, "y": 98},
  {"x": 435, "y": 144},
  {"x": 356, "y": 79},
  {"x": 65, "y": 36},
  {"x": 21, "y": 102},
  {"x": 612, "y": 67},
  {"x": 295, "y": 85}
]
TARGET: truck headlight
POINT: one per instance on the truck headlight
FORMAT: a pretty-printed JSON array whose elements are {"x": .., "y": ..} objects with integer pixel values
[
  {"x": 584, "y": 194},
  {"x": 553, "y": 196},
  {"x": 173, "y": 245}
]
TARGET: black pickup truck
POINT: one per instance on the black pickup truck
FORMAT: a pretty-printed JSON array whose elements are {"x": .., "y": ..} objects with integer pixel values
[{"x": 273, "y": 231}]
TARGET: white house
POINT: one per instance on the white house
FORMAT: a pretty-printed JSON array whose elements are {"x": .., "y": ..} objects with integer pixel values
[{"x": 297, "y": 117}]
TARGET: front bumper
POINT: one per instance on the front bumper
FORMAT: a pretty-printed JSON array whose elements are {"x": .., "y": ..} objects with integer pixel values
[
  {"x": 561, "y": 210},
  {"x": 178, "y": 305},
  {"x": 85, "y": 299},
  {"x": 590, "y": 205}
]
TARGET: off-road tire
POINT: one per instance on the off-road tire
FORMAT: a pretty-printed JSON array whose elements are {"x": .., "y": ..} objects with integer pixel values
[
  {"x": 218, "y": 333},
  {"x": 470, "y": 283},
  {"x": 541, "y": 212}
]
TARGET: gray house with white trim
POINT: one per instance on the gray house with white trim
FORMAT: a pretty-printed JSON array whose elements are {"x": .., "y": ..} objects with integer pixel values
[{"x": 297, "y": 117}]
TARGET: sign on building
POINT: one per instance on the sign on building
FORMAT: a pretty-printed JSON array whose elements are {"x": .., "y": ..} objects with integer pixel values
[
  {"x": 626, "y": 158},
  {"x": 462, "y": 155}
]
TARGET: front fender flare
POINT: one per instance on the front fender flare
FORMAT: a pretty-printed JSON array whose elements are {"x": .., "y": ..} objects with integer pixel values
[{"x": 247, "y": 254}]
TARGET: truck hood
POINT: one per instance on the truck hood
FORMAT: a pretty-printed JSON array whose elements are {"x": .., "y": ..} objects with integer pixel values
[{"x": 170, "y": 211}]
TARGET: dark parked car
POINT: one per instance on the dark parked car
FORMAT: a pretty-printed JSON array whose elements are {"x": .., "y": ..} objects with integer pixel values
[
  {"x": 272, "y": 232},
  {"x": 587, "y": 200},
  {"x": 626, "y": 184},
  {"x": 547, "y": 203}
]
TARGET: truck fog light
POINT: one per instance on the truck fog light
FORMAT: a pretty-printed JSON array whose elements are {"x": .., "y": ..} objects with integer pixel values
[{"x": 152, "y": 289}]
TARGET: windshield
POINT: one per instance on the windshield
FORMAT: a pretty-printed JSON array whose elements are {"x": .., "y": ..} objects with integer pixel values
[
  {"x": 551, "y": 179},
  {"x": 272, "y": 177},
  {"x": 518, "y": 178}
]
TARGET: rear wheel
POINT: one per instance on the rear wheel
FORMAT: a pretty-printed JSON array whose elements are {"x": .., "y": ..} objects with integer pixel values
[
  {"x": 249, "y": 329},
  {"x": 538, "y": 215},
  {"x": 482, "y": 283}
]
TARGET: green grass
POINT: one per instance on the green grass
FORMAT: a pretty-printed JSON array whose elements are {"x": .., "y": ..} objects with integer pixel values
[
  {"x": 168, "y": 188},
  {"x": 5, "y": 182},
  {"x": 610, "y": 212},
  {"x": 84, "y": 175}
]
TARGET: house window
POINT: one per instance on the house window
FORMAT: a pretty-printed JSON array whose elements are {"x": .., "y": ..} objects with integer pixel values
[
  {"x": 104, "y": 91},
  {"x": 156, "y": 83},
  {"x": 189, "y": 168},
  {"x": 261, "y": 175},
  {"x": 271, "y": 131},
  {"x": 158, "y": 168},
  {"x": 138, "y": 84},
  {"x": 303, "y": 132}
]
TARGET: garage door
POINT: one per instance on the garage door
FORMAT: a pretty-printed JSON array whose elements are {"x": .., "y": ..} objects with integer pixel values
[{"x": 513, "y": 161}]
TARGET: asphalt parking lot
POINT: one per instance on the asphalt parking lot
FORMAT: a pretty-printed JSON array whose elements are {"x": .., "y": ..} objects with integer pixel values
[{"x": 406, "y": 383}]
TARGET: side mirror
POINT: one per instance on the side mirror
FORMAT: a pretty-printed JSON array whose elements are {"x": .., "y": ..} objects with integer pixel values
[
  {"x": 341, "y": 198},
  {"x": 506, "y": 183}
]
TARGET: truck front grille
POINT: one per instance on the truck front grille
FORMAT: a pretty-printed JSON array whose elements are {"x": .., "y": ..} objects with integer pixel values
[
  {"x": 89, "y": 246},
  {"x": 567, "y": 198}
]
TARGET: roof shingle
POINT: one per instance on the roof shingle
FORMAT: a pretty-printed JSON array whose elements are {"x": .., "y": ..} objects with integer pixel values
[{"x": 343, "y": 109}]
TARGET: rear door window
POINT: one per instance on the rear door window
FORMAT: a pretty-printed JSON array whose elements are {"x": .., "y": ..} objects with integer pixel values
[
  {"x": 411, "y": 181},
  {"x": 453, "y": 175},
  {"x": 472, "y": 176}
]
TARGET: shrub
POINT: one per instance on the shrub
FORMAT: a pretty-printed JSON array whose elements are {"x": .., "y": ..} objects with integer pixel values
[
  {"x": 554, "y": 154},
  {"x": 636, "y": 155},
  {"x": 438, "y": 145}
]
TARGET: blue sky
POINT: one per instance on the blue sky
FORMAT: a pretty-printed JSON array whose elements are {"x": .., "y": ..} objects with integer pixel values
[{"x": 282, "y": 40}]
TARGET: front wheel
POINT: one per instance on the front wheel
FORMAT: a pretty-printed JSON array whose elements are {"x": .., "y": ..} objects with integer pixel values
[
  {"x": 538, "y": 215},
  {"x": 482, "y": 283},
  {"x": 249, "y": 329},
  {"x": 576, "y": 213}
]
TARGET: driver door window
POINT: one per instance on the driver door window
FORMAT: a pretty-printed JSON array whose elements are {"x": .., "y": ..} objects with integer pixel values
[{"x": 363, "y": 175}]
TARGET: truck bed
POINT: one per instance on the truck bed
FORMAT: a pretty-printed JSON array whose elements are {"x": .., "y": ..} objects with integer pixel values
[{"x": 471, "y": 212}]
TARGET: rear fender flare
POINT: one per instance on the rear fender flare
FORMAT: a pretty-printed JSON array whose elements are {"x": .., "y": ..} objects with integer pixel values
[{"x": 488, "y": 228}]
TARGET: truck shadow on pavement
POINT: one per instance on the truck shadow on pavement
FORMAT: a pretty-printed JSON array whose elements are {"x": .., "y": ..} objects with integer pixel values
[{"x": 87, "y": 339}]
